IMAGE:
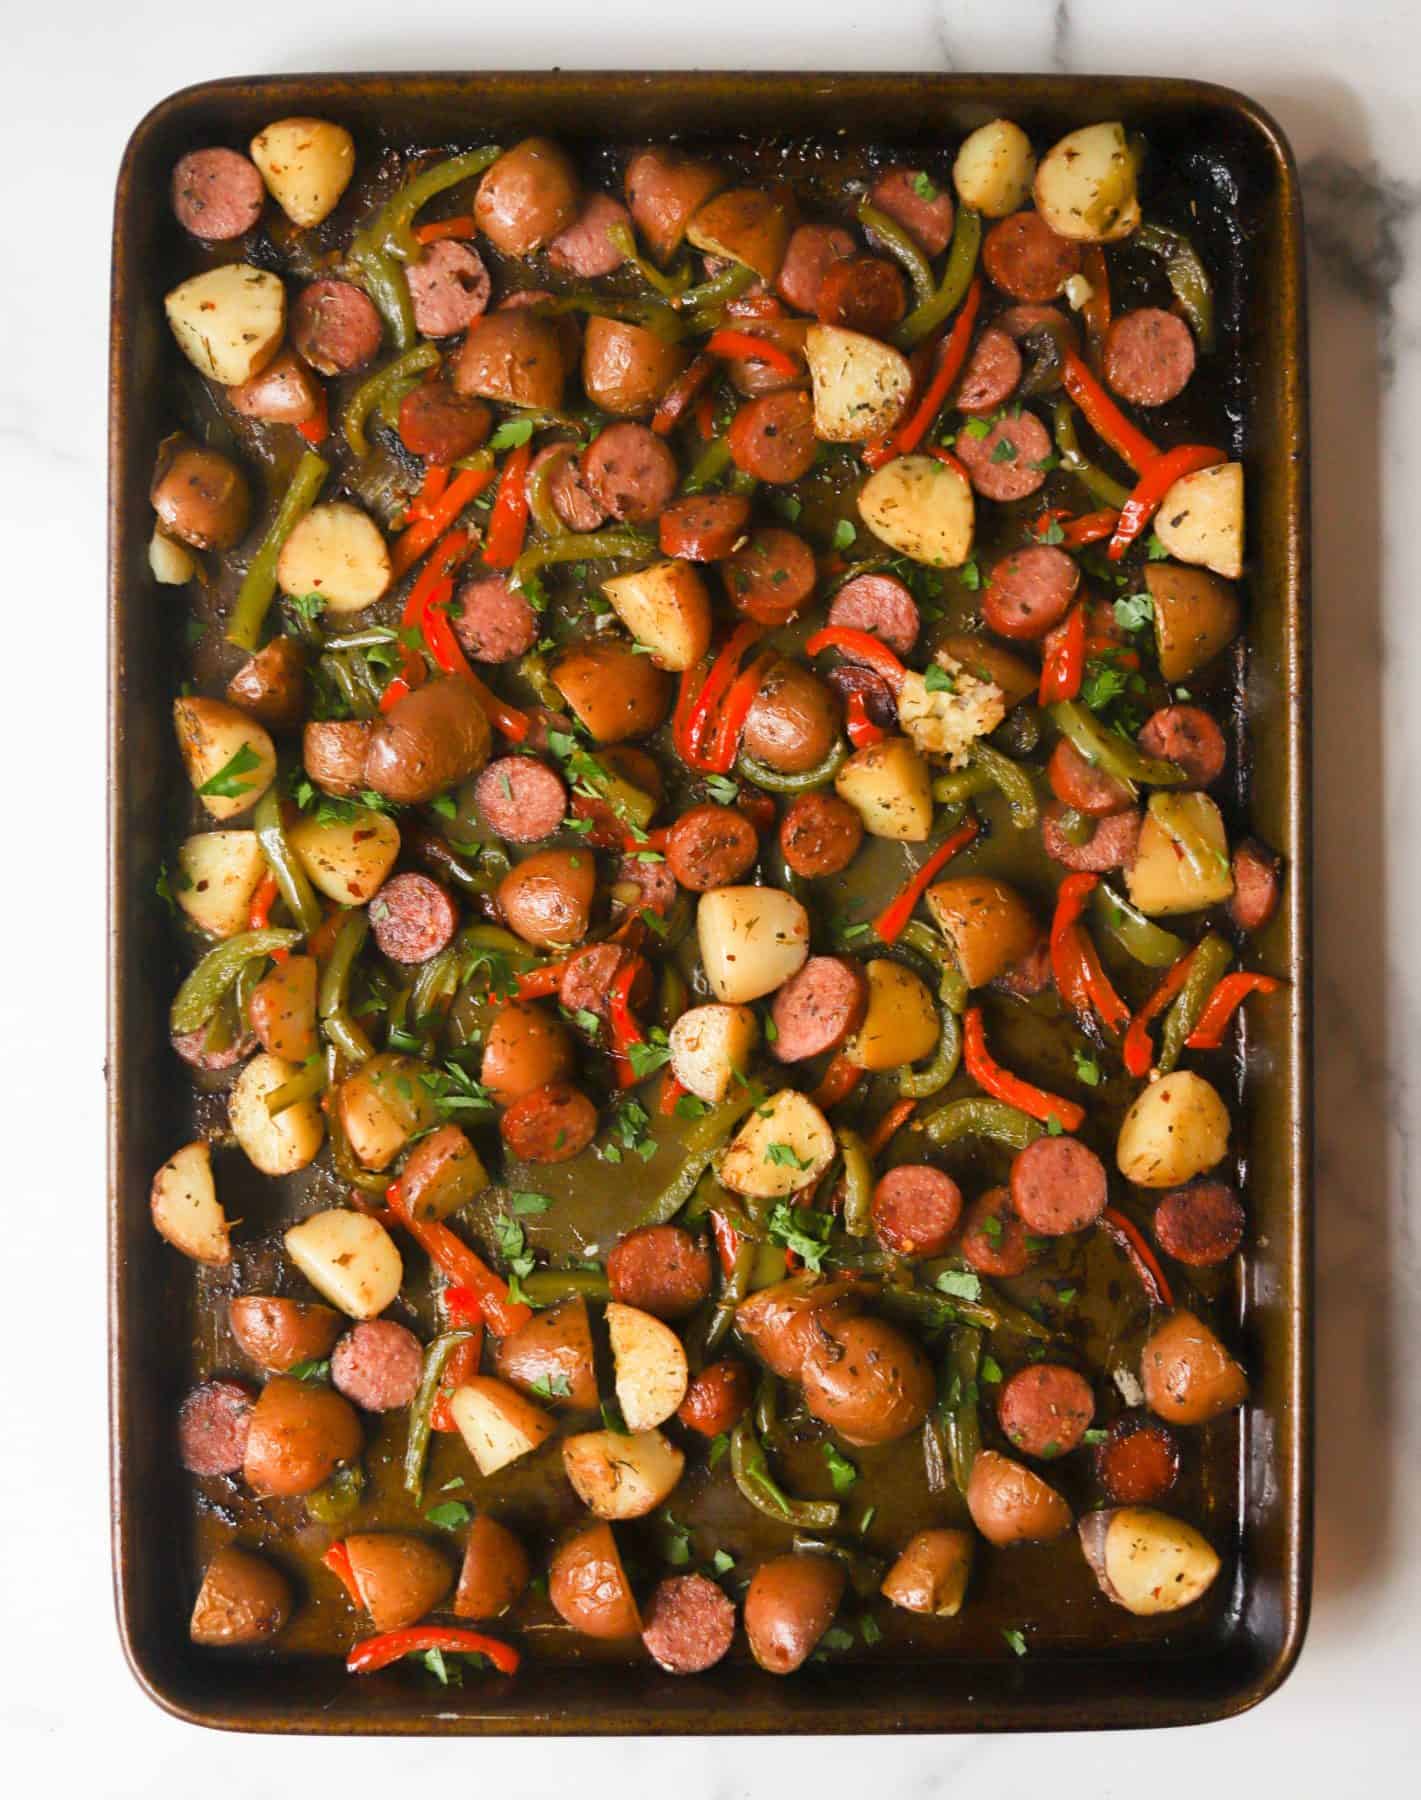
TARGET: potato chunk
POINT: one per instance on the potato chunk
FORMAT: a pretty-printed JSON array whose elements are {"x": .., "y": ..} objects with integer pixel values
[
  {"x": 1085, "y": 186},
  {"x": 349, "y": 1258},
  {"x": 497, "y": 1423},
  {"x": 306, "y": 165},
  {"x": 752, "y": 940},
  {"x": 335, "y": 551},
  {"x": 218, "y": 872},
  {"x": 650, "y": 1366},
  {"x": 1200, "y": 519},
  {"x": 667, "y": 608},
  {"x": 277, "y": 1145},
  {"x": 229, "y": 758},
  {"x": 710, "y": 1048},
  {"x": 889, "y": 786},
  {"x": 782, "y": 1147},
  {"x": 861, "y": 385},
  {"x": 1177, "y": 1128},
  {"x": 229, "y": 322},
  {"x": 993, "y": 170},
  {"x": 620, "y": 1476},
  {"x": 922, "y": 508},
  {"x": 185, "y": 1207}
]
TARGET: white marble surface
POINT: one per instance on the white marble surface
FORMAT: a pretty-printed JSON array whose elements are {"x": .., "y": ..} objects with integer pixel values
[{"x": 1344, "y": 80}]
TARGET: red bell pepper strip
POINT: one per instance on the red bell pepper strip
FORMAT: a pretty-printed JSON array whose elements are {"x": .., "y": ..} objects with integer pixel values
[
  {"x": 1063, "y": 659},
  {"x": 538, "y": 984},
  {"x": 701, "y": 712},
  {"x": 1114, "y": 1014},
  {"x": 718, "y": 756},
  {"x": 890, "y": 922},
  {"x": 625, "y": 1031},
  {"x": 839, "y": 1081},
  {"x": 379, "y": 1652},
  {"x": 671, "y": 1092},
  {"x": 317, "y": 428},
  {"x": 741, "y": 345},
  {"x": 1095, "y": 314},
  {"x": 461, "y": 1265},
  {"x": 727, "y": 1241},
  {"x": 705, "y": 416},
  {"x": 1223, "y": 1003},
  {"x": 508, "y": 522},
  {"x": 940, "y": 453},
  {"x": 1001, "y": 1084},
  {"x": 395, "y": 691},
  {"x": 462, "y": 1364},
  {"x": 952, "y": 356},
  {"x": 337, "y": 1560},
  {"x": 436, "y": 479},
  {"x": 412, "y": 543},
  {"x": 460, "y": 226},
  {"x": 259, "y": 912},
  {"x": 1068, "y": 965},
  {"x": 1139, "y": 1049},
  {"x": 861, "y": 729},
  {"x": 863, "y": 646},
  {"x": 689, "y": 685},
  {"x": 1076, "y": 533},
  {"x": 1154, "y": 483},
  {"x": 1104, "y": 417},
  {"x": 889, "y": 1126},
  {"x": 1142, "y": 1258},
  {"x": 682, "y": 394}
]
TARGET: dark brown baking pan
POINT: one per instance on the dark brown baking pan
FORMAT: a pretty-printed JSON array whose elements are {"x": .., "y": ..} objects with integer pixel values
[{"x": 1089, "y": 1666}]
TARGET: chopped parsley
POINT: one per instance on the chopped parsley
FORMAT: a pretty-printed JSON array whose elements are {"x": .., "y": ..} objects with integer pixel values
[
  {"x": 722, "y": 1562},
  {"x": 869, "y": 1630},
  {"x": 449, "y": 1515},
  {"x": 1133, "y": 611},
  {"x": 1053, "y": 533},
  {"x": 510, "y": 434},
  {"x": 784, "y": 1156},
  {"x": 937, "y": 680},
  {"x": 970, "y": 575},
  {"x": 524, "y": 1204},
  {"x": 723, "y": 791},
  {"x": 1015, "y": 1640},
  {"x": 991, "y": 1370},
  {"x": 1054, "y": 1127},
  {"x": 842, "y": 1472},
  {"x": 1087, "y": 1069},
  {"x": 1103, "y": 683},
  {"x": 979, "y": 428},
  {"x": 224, "y": 785},
  {"x": 803, "y": 1230},
  {"x": 719, "y": 1444},
  {"x": 962, "y": 1284},
  {"x": 1004, "y": 451},
  {"x": 922, "y": 185},
  {"x": 313, "y": 1369},
  {"x": 844, "y": 534}
]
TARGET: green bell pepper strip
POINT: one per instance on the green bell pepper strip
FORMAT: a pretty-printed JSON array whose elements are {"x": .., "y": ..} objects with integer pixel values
[
  {"x": 333, "y": 998},
  {"x": 709, "y": 466},
  {"x": 952, "y": 988},
  {"x": 1107, "y": 750},
  {"x": 935, "y": 1312},
  {"x": 960, "y": 1416},
  {"x": 222, "y": 1026},
  {"x": 436, "y": 1360},
  {"x": 540, "y": 504},
  {"x": 580, "y": 546},
  {"x": 734, "y": 1286},
  {"x": 1212, "y": 957},
  {"x": 956, "y": 277},
  {"x": 670, "y": 287},
  {"x": 337, "y": 1499},
  {"x": 725, "y": 285},
  {"x": 208, "y": 984},
  {"x": 1136, "y": 935},
  {"x": 933, "y": 1076},
  {"x": 436, "y": 982},
  {"x": 699, "y": 1144},
  {"x": 902, "y": 246},
  {"x": 777, "y": 781},
  {"x": 392, "y": 228},
  {"x": 373, "y": 389},
  {"x": 857, "y": 1216},
  {"x": 242, "y": 990},
  {"x": 654, "y": 316},
  {"x": 1075, "y": 827},
  {"x": 495, "y": 937},
  {"x": 751, "y": 1474},
  {"x": 338, "y": 672},
  {"x": 1068, "y": 447},
  {"x": 1013, "y": 782},
  {"x": 866, "y": 1571},
  {"x": 977, "y": 1117},
  {"x": 672, "y": 995},
  {"x": 387, "y": 407},
  {"x": 1186, "y": 275},
  {"x": 1046, "y": 345},
  {"x": 285, "y": 866},
  {"x": 384, "y": 281},
  {"x": 546, "y": 1287},
  {"x": 308, "y": 1081},
  {"x": 254, "y": 596},
  {"x": 767, "y": 1404}
]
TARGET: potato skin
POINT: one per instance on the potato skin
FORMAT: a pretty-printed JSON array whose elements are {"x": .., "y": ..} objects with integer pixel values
[
  {"x": 526, "y": 1048},
  {"x": 1187, "y": 1374},
  {"x": 514, "y": 356},
  {"x": 988, "y": 923},
  {"x": 552, "y": 1348},
  {"x": 271, "y": 685},
  {"x": 300, "y": 1434},
  {"x": 788, "y": 1607},
  {"x": 1011, "y": 1504},
  {"x": 931, "y": 1573},
  {"x": 616, "y": 693},
  {"x": 866, "y": 1380},
  {"x": 527, "y": 197},
  {"x": 794, "y": 720},
  {"x": 430, "y": 739},
  {"x": 495, "y": 1571},
  {"x": 547, "y": 898},
  {"x": 200, "y": 496},
  {"x": 626, "y": 368},
  {"x": 1196, "y": 614},
  {"x": 399, "y": 1577},
  {"x": 588, "y": 1586},
  {"x": 243, "y": 1599},
  {"x": 278, "y": 1334},
  {"x": 779, "y": 1323}
]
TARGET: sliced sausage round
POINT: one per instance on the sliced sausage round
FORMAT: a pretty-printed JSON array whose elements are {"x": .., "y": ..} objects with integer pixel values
[
  {"x": 916, "y": 1209},
  {"x": 992, "y": 372},
  {"x": 1026, "y": 259},
  {"x": 1257, "y": 874},
  {"x": 521, "y": 799},
  {"x": 1080, "y": 785},
  {"x": 811, "y": 251},
  {"x": 550, "y": 1125},
  {"x": 878, "y": 698},
  {"x": 1029, "y": 592},
  {"x": 1111, "y": 845},
  {"x": 1011, "y": 461},
  {"x": 1030, "y": 974},
  {"x": 661, "y": 1269},
  {"x": 918, "y": 204},
  {"x": 449, "y": 288},
  {"x": 1139, "y": 1461},
  {"x": 333, "y": 752},
  {"x": 1200, "y": 1225},
  {"x": 584, "y": 248},
  {"x": 710, "y": 847},
  {"x": 440, "y": 425},
  {"x": 492, "y": 622},
  {"x": 993, "y": 1236},
  {"x": 1148, "y": 356},
  {"x": 1045, "y": 1410},
  {"x": 751, "y": 375},
  {"x": 817, "y": 1008},
  {"x": 630, "y": 472},
  {"x": 880, "y": 604},
  {"x": 820, "y": 835},
  {"x": 773, "y": 439},
  {"x": 568, "y": 493},
  {"x": 1057, "y": 1186},
  {"x": 687, "y": 1624},
  {"x": 1020, "y": 321},
  {"x": 1188, "y": 736},
  {"x": 213, "y": 1421},
  {"x": 585, "y": 985},
  {"x": 217, "y": 194},
  {"x": 862, "y": 293},
  {"x": 412, "y": 918},
  {"x": 771, "y": 576},
  {"x": 191, "y": 1046},
  {"x": 655, "y": 885},
  {"x": 704, "y": 527},
  {"x": 377, "y": 1365},
  {"x": 335, "y": 327}
]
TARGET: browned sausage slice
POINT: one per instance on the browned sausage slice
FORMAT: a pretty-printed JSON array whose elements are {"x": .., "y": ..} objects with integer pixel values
[
  {"x": 217, "y": 194},
  {"x": 863, "y": 293},
  {"x": 584, "y": 249},
  {"x": 213, "y": 1422},
  {"x": 771, "y": 576},
  {"x": 1257, "y": 883},
  {"x": 918, "y": 204},
  {"x": 333, "y": 751},
  {"x": 1080, "y": 785},
  {"x": 192, "y": 1047},
  {"x": 710, "y": 847},
  {"x": 521, "y": 799},
  {"x": 1026, "y": 259},
  {"x": 449, "y": 288},
  {"x": 377, "y": 1365},
  {"x": 991, "y": 375},
  {"x": 587, "y": 977},
  {"x": 1057, "y": 1186},
  {"x": 1045, "y": 1410},
  {"x": 717, "y": 1398},
  {"x": 1188, "y": 736},
  {"x": 880, "y": 604},
  {"x": 629, "y": 472},
  {"x": 811, "y": 251},
  {"x": 651, "y": 878},
  {"x": 1111, "y": 845},
  {"x": 550, "y": 1125},
  {"x": 1029, "y": 592},
  {"x": 993, "y": 1237},
  {"x": 440, "y": 425},
  {"x": 879, "y": 703},
  {"x": 661, "y": 1269},
  {"x": 1148, "y": 356},
  {"x": 1031, "y": 974},
  {"x": 704, "y": 527},
  {"x": 569, "y": 495},
  {"x": 1139, "y": 1461},
  {"x": 1011, "y": 461},
  {"x": 820, "y": 835},
  {"x": 915, "y": 1210},
  {"x": 773, "y": 439},
  {"x": 1200, "y": 1225},
  {"x": 817, "y": 1008},
  {"x": 335, "y": 327},
  {"x": 412, "y": 918},
  {"x": 491, "y": 622},
  {"x": 688, "y": 1624}
]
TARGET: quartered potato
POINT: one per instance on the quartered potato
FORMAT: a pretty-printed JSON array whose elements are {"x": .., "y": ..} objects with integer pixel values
[
  {"x": 1196, "y": 615},
  {"x": 229, "y": 758},
  {"x": 746, "y": 225},
  {"x": 1182, "y": 863},
  {"x": 1147, "y": 1561},
  {"x": 890, "y": 787},
  {"x": 861, "y": 385},
  {"x": 649, "y": 1364},
  {"x": 185, "y": 1207},
  {"x": 922, "y": 508},
  {"x": 987, "y": 923},
  {"x": 1200, "y": 519},
  {"x": 349, "y": 1258},
  {"x": 666, "y": 607},
  {"x": 383, "y": 1105},
  {"x": 229, "y": 322},
  {"x": 336, "y": 551},
  {"x": 782, "y": 1147},
  {"x": 621, "y": 1476},
  {"x": 993, "y": 170},
  {"x": 930, "y": 1575},
  {"x": 711, "y": 1047},
  {"x": 497, "y": 1423},
  {"x": 306, "y": 165},
  {"x": 218, "y": 872},
  {"x": 280, "y": 1144},
  {"x": 1177, "y": 1128},
  {"x": 347, "y": 859},
  {"x": 1085, "y": 186},
  {"x": 752, "y": 940},
  {"x": 171, "y": 563},
  {"x": 900, "y": 1024}
]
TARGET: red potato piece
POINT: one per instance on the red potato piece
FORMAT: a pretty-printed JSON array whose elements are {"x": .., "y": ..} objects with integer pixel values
[
  {"x": 863, "y": 293},
  {"x": 811, "y": 251},
  {"x": 817, "y": 1008},
  {"x": 449, "y": 288},
  {"x": 412, "y": 918},
  {"x": 440, "y": 425},
  {"x": 1148, "y": 356},
  {"x": 688, "y": 1624},
  {"x": 1058, "y": 1186},
  {"x": 567, "y": 326},
  {"x": 916, "y": 1209},
  {"x": 771, "y": 576},
  {"x": 880, "y": 604},
  {"x": 1111, "y": 845},
  {"x": 1012, "y": 473},
  {"x": 1139, "y": 1461},
  {"x": 918, "y": 204},
  {"x": 704, "y": 527},
  {"x": 1045, "y": 1410},
  {"x": 568, "y": 493},
  {"x": 992, "y": 372},
  {"x": 629, "y": 472},
  {"x": 213, "y": 1421},
  {"x": 492, "y": 622},
  {"x": 1200, "y": 1225},
  {"x": 584, "y": 249},
  {"x": 1188, "y": 736},
  {"x": 1081, "y": 786},
  {"x": 377, "y": 1365},
  {"x": 664, "y": 188},
  {"x": 191, "y": 1046},
  {"x": 527, "y": 197},
  {"x": 820, "y": 835},
  {"x": 551, "y": 1125},
  {"x": 333, "y": 754},
  {"x": 521, "y": 799},
  {"x": 335, "y": 327},
  {"x": 1026, "y": 259},
  {"x": 217, "y": 194},
  {"x": 655, "y": 885},
  {"x": 993, "y": 1237},
  {"x": 285, "y": 392},
  {"x": 772, "y": 438},
  {"x": 660, "y": 1269},
  {"x": 1030, "y": 592},
  {"x": 1257, "y": 874},
  {"x": 710, "y": 847}
]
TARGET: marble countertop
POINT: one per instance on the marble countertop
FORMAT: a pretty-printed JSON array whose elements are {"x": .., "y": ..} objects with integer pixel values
[{"x": 1343, "y": 81}]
